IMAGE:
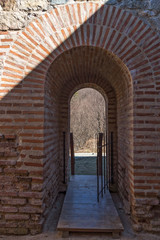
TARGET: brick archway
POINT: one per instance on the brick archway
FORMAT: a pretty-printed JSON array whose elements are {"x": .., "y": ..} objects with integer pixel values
[
  {"x": 125, "y": 42},
  {"x": 99, "y": 69}
]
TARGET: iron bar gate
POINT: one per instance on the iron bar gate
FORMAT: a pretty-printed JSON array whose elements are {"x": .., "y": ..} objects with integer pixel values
[
  {"x": 72, "y": 154},
  {"x": 105, "y": 164},
  {"x": 105, "y": 161},
  {"x": 64, "y": 157}
]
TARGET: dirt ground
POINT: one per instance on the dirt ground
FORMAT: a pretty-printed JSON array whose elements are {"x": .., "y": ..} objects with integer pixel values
[{"x": 50, "y": 233}]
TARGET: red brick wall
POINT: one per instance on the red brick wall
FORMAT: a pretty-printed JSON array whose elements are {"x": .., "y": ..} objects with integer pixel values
[
  {"x": 51, "y": 144},
  {"x": 38, "y": 77},
  {"x": 76, "y": 68}
]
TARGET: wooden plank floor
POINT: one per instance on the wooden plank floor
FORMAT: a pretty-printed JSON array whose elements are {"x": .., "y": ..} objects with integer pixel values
[{"x": 82, "y": 213}]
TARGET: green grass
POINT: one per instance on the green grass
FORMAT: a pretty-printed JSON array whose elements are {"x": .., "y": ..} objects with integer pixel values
[{"x": 85, "y": 165}]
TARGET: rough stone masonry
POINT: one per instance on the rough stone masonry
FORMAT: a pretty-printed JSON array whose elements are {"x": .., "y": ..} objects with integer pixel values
[
  {"x": 48, "y": 51},
  {"x": 16, "y": 14}
]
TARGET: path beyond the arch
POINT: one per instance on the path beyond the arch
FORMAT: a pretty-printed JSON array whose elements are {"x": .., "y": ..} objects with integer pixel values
[{"x": 82, "y": 213}]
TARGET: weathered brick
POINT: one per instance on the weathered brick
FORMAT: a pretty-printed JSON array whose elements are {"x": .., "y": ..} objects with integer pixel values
[
  {"x": 13, "y": 201},
  {"x": 37, "y": 187},
  {"x": 8, "y": 193},
  {"x": 35, "y": 202},
  {"x": 31, "y": 194},
  {"x": 8, "y": 224},
  {"x": 10, "y": 136},
  {"x": 14, "y": 231},
  {"x": 8, "y": 209},
  {"x": 17, "y": 216},
  {"x": 30, "y": 209}
]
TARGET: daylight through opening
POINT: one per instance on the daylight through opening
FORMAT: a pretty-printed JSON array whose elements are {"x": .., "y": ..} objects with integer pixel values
[{"x": 87, "y": 120}]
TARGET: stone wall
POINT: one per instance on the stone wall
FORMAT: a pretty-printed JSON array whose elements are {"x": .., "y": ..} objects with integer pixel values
[
  {"x": 16, "y": 14},
  {"x": 20, "y": 198}
]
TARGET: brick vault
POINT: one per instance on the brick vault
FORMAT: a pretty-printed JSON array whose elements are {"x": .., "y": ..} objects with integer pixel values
[{"x": 70, "y": 47}]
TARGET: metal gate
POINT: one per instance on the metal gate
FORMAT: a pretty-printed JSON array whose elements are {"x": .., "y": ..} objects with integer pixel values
[{"x": 105, "y": 164}]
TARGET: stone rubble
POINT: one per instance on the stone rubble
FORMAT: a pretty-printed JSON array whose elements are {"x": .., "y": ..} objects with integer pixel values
[{"x": 17, "y": 14}]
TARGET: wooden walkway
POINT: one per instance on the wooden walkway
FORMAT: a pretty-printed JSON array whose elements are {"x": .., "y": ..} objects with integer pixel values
[{"x": 82, "y": 213}]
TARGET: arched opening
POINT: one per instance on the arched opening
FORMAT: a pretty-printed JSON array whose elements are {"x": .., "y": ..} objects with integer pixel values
[
  {"x": 88, "y": 116},
  {"x": 99, "y": 42},
  {"x": 88, "y": 66}
]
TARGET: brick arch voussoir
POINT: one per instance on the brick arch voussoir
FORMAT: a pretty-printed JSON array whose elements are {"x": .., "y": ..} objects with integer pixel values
[
  {"x": 128, "y": 56},
  {"x": 87, "y": 85},
  {"x": 91, "y": 24}
]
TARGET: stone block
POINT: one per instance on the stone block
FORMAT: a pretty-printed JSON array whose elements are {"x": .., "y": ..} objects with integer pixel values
[
  {"x": 156, "y": 21},
  {"x": 12, "y": 20},
  {"x": 111, "y": 2},
  {"x": 135, "y": 4},
  {"x": 7, "y": 5},
  {"x": 34, "y": 5},
  {"x": 137, "y": 227},
  {"x": 155, "y": 5},
  {"x": 57, "y": 2}
]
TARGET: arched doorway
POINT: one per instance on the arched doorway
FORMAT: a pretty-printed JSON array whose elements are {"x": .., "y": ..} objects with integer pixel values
[
  {"x": 88, "y": 114},
  {"x": 93, "y": 66},
  {"x": 44, "y": 65}
]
